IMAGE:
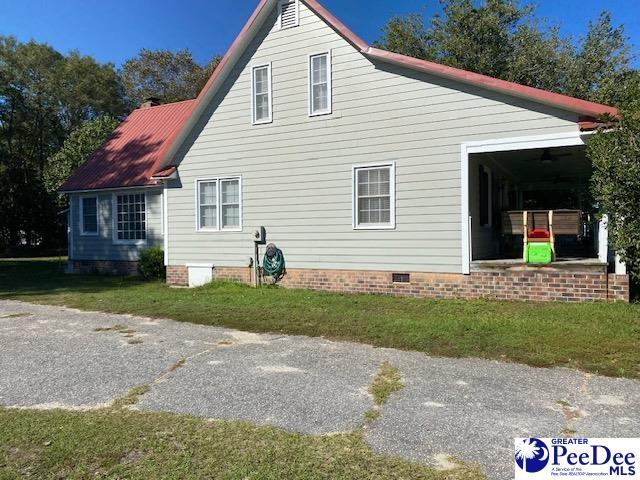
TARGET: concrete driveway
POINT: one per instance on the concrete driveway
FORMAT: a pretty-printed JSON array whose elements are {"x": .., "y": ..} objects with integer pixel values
[{"x": 466, "y": 408}]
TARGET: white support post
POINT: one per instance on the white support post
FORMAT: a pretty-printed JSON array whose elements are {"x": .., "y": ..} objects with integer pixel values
[
  {"x": 464, "y": 211},
  {"x": 621, "y": 267},
  {"x": 603, "y": 240}
]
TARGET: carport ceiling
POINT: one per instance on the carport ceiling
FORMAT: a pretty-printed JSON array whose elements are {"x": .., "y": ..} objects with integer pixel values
[{"x": 568, "y": 164}]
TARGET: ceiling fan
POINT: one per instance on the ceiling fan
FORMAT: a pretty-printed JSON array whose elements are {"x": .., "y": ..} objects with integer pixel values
[{"x": 547, "y": 158}]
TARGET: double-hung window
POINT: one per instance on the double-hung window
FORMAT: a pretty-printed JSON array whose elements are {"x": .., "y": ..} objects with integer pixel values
[
  {"x": 261, "y": 94},
  {"x": 219, "y": 204},
  {"x": 320, "y": 84},
  {"x": 230, "y": 203},
  {"x": 208, "y": 206},
  {"x": 131, "y": 218},
  {"x": 89, "y": 216},
  {"x": 374, "y": 197}
]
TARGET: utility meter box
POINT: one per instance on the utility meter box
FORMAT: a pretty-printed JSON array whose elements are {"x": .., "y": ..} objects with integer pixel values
[{"x": 260, "y": 235}]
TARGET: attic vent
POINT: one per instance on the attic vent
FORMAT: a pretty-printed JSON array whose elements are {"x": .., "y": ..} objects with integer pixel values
[
  {"x": 288, "y": 13},
  {"x": 401, "y": 278}
]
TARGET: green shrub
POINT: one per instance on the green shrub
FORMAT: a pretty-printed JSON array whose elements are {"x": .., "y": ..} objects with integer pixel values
[
  {"x": 152, "y": 263},
  {"x": 616, "y": 185}
]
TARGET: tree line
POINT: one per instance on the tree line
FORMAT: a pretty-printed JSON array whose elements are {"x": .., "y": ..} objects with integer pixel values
[
  {"x": 507, "y": 40},
  {"x": 55, "y": 109}
]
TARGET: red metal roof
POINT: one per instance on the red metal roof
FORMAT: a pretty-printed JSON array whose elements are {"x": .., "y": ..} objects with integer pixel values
[{"x": 131, "y": 154}]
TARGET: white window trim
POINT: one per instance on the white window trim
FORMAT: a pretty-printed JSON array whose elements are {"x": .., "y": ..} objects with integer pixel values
[
  {"x": 200, "y": 228},
  {"x": 114, "y": 210},
  {"x": 329, "y": 109},
  {"x": 269, "y": 92},
  {"x": 83, "y": 233},
  {"x": 280, "y": 3},
  {"x": 392, "y": 195},
  {"x": 218, "y": 180}
]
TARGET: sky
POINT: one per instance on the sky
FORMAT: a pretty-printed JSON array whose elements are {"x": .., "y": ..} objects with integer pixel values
[{"x": 115, "y": 30}]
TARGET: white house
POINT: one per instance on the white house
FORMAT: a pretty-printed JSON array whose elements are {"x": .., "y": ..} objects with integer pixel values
[{"x": 371, "y": 171}]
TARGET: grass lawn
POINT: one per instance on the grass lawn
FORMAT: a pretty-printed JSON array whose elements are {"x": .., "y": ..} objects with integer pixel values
[
  {"x": 600, "y": 338},
  {"x": 115, "y": 443}
]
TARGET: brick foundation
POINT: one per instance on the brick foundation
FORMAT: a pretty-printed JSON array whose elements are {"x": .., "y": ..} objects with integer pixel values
[
  {"x": 234, "y": 274},
  {"x": 178, "y": 275},
  {"x": 619, "y": 288},
  {"x": 105, "y": 267},
  {"x": 540, "y": 284}
]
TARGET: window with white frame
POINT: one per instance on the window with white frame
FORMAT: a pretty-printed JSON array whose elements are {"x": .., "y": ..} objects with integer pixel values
[
  {"x": 320, "y": 84},
  {"x": 261, "y": 95},
  {"x": 89, "y": 215},
  {"x": 219, "y": 204},
  {"x": 230, "y": 203},
  {"x": 131, "y": 218},
  {"x": 374, "y": 196},
  {"x": 208, "y": 205}
]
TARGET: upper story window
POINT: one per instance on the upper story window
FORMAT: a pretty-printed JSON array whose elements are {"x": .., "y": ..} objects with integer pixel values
[
  {"x": 219, "y": 204},
  {"x": 261, "y": 94},
  {"x": 131, "y": 218},
  {"x": 374, "y": 197},
  {"x": 89, "y": 216},
  {"x": 320, "y": 84},
  {"x": 288, "y": 14}
]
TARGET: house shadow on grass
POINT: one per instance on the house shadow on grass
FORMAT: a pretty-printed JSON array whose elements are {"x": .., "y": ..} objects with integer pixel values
[{"x": 24, "y": 278}]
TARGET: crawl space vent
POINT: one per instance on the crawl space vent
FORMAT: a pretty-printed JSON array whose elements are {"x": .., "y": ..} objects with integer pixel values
[
  {"x": 288, "y": 14},
  {"x": 401, "y": 278}
]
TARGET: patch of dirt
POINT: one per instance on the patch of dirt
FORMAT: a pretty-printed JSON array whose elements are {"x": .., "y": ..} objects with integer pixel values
[
  {"x": 279, "y": 369},
  {"x": 17, "y": 315},
  {"x": 113, "y": 328},
  {"x": 133, "y": 457},
  {"x": 61, "y": 406},
  {"x": 444, "y": 462}
]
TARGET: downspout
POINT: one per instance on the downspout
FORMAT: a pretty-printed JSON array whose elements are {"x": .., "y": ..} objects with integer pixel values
[
  {"x": 70, "y": 236},
  {"x": 165, "y": 221},
  {"x": 603, "y": 250}
]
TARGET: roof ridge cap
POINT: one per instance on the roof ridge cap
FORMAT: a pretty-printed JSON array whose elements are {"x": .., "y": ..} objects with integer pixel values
[{"x": 163, "y": 105}]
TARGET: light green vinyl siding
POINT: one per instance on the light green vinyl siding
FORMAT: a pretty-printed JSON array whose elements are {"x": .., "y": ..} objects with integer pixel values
[{"x": 297, "y": 171}]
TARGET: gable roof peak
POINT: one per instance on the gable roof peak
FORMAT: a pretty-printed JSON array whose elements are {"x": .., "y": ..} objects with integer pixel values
[{"x": 564, "y": 102}]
